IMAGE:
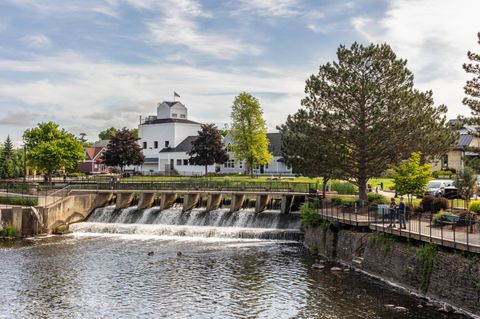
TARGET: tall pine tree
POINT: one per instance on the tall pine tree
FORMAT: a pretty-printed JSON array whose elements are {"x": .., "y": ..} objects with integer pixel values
[
  {"x": 472, "y": 87},
  {"x": 8, "y": 165},
  {"x": 372, "y": 113}
]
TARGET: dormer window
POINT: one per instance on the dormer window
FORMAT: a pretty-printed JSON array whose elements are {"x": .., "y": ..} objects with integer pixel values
[
  {"x": 182, "y": 116},
  {"x": 167, "y": 143},
  {"x": 174, "y": 114}
]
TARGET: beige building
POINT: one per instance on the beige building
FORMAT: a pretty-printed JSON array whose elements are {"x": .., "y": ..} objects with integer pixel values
[{"x": 455, "y": 159}]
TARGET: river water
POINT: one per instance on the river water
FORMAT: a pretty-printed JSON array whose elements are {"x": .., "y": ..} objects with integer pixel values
[{"x": 201, "y": 265}]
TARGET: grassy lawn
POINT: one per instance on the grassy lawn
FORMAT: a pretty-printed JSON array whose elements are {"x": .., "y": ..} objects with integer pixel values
[{"x": 387, "y": 183}]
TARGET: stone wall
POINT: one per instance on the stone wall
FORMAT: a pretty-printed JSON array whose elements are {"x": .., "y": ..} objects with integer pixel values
[{"x": 453, "y": 277}]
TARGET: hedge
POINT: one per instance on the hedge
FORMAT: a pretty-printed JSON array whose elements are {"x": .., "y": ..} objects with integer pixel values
[{"x": 21, "y": 201}]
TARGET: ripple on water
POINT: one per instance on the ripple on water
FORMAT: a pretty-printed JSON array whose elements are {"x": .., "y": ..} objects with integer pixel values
[{"x": 112, "y": 277}]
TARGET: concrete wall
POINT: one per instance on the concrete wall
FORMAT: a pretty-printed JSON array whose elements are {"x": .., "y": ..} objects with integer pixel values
[{"x": 453, "y": 277}]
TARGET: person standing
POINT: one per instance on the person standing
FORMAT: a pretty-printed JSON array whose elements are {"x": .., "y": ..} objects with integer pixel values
[
  {"x": 392, "y": 208},
  {"x": 401, "y": 212}
]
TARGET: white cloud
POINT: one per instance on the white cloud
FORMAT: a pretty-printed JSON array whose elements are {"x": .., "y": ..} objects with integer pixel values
[
  {"x": 72, "y": 6},
  {"x": 95, "y": 94},
  {"x": 434, "y": 36},
  {"x": 179, "y": 26},
  {"x": 271, "y": 8},
  {"x": 37, "y": 40}
]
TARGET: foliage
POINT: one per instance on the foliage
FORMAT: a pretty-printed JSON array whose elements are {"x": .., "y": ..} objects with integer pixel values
[
  {"x": 427, "y": 203},
  {"x": 344, "y": 200},
  {"x": 374, "y": 116},
  {"x": 410, "y": 177},
  {"x": 207, "y": 148},
  {"x": 477, "y": 287},
  {"x": 474, "y": 206},
  {"x": 50, "y": 148},
  {"x": 21, "y": 201},
  {"x": 306, "y": 155},
  {"x": 466, "y": 183},
  {"x": 384, "y": 239},
  {"x": 426, "y": 255},
  {"x": 437, "y": 218},
  {"x": 9, "y": 231},
  {"x": 108, "y": 133},
  {"x": 443, "y": 174},
  {"x": 472, "y": 87},
  {"x": 123, "y": 150},
  {"x": 309, "y": 216},
  {"x": 440, "y": 203},
  {"x": 248, "y": 131},
  {"x": 343, "y": 188},
  {"x": 378, "y": 199},
  {"x": 8, "y": 160}
]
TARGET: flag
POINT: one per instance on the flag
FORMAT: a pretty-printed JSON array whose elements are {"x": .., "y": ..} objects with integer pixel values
[{"x": 175, "y": 94}]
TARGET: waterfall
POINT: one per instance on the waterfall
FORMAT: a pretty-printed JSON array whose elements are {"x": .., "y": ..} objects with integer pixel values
[{"x": 195, "y": 223}]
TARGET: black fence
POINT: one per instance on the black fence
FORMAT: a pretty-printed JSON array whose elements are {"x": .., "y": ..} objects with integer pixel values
[{"x": 446, "y": 230}]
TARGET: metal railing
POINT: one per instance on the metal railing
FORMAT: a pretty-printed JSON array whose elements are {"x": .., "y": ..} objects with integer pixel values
[{"x": 455, "y": 232}]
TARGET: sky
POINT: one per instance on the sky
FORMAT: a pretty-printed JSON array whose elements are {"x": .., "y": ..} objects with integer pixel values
[{"x": 92, "y": 64}]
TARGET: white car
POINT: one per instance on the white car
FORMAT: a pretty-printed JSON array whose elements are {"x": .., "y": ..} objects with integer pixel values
[{"x": 437, "y": 186}]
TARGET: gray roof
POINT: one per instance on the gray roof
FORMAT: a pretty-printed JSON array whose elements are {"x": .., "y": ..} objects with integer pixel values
[
  {"x": 168, "y": 120},
  {"x": 184, "y": 146},
  {"x": 275, "y": 145},
  {"x": 464, "y": 140}
]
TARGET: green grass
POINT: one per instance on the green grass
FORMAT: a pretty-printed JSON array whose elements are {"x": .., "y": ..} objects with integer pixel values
[
  {"x": 387, "y": 183},
  {"x": 21, "y": 201}
]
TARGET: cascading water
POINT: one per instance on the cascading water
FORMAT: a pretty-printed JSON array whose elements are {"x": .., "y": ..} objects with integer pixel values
[{"x": 195, "y": 223}]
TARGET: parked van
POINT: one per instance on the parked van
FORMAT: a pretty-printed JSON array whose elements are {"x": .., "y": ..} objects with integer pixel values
[{"x": 437, "y": 187}]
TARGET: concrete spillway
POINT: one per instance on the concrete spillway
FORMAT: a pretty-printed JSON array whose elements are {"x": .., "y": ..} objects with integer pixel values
[{"x": 245, "y": 223}]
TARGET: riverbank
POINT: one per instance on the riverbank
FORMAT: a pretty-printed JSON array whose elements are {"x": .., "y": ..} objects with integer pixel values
[{"x": 424, "y": 269}]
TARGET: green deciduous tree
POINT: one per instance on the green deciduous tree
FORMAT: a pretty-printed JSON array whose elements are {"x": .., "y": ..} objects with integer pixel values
[
  {"x": 367, "y": 103},
  {"x": 466, "y": 183},
  {"x": 306, "y": 147},
  {"x": 248, "y": 131},
  {"x": 107, "y": 134},
  {"x": 123, "y": 150},
  {"x": 51, "y": 148},
  {"x": 411, "y": 177},
  {"x": 208, "y": 148}
]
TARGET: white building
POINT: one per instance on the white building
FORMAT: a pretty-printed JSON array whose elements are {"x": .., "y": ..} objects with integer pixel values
[{"x": 167, "y": 137}]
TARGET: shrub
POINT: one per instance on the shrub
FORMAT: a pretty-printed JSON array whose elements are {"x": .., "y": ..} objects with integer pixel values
[
  {"x": 426, "y": 255},
  {"x": 21, "y": 201},
  {"x": 474, "y": 206},
  {"x": 343, "y": 188},
  {"x": 309, "y": 216},
  {"x": 379, "y": 199},
  {"x": 9, "y": 231},
  {"x": 385, "y": 240},
  {"x": 443, "y": 174},
  {"x": 344, "y": 200},
  {"x": 438, "y": 217},
  {"x": 439, "y": 203},
  {"x": 427, "y": 203},
  {"x": 76, "y": 175}
]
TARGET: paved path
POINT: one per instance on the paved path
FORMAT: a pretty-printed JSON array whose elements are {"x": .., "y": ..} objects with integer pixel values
[{"x": 418, "y": 227}]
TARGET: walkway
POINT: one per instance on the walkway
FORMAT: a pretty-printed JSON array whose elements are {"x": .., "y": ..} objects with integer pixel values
[{"x": 418, "y": 227}]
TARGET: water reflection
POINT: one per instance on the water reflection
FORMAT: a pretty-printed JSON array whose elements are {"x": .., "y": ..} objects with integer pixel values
[{"x": 112, "y": 277}]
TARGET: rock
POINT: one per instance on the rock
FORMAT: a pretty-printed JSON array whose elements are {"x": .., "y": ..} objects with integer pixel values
[
  {"x": 420, "y": 306},
  {"x": 390, "y": 306},
  {"x": 151, "y": 253},
  {"x": 318, "y": 266},
  {"x": 346, "y": 269},
  {"x": 446, "y": 308},
  {"x": 401, "y": 309},
  {"x": 179, "y": 253},
  {"x": 336, "y": 269}
]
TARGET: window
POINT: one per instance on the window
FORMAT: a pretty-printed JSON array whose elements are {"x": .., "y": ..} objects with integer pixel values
[
  {"x": 240, "y": 164},
  {"x": 229, "y": 147},
  {"x": 445, "y": 162},
  {"x": 155, "y": 144},
  {"x": 144, "y": 145},
  {"x": 167, "y": 143},
  {"x": 174, "y": 114},
  {"x": 185, "y": 162},
  {"x": 230, "y": 164},
  {"x": 182, "y": 116},
  {"x": 179, "y": 162}
]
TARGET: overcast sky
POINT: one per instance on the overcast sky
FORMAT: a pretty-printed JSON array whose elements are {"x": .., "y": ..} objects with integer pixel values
[{"x": 91, "y": 64}]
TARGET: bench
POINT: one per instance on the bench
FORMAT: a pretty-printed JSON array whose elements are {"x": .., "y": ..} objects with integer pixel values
[{"x": 450, "y": 220}]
